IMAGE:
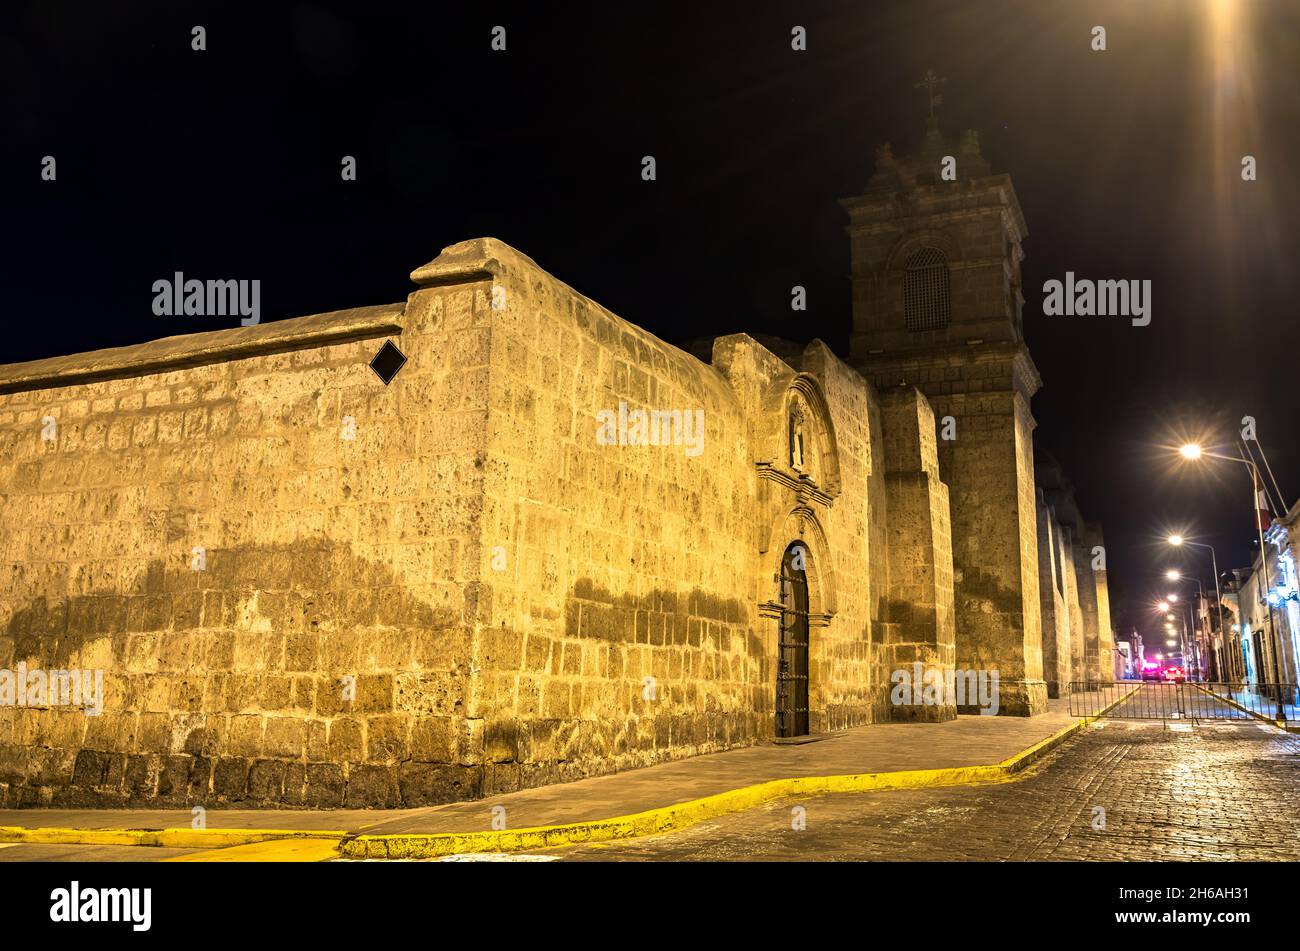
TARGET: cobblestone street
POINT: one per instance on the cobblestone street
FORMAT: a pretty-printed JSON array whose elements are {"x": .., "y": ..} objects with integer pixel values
[{"x": 1207, "y": 792}]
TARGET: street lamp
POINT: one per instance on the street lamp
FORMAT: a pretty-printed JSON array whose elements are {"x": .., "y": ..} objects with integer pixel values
[
  {"x": 1193, "y": 669},
  {"x": 1196, "y": 647},
  {"x": 1177, "y": 541},
  {"x": 1190, "y": 661},
  {"x": 1194, "y": 451},
  {"x": 1173, "y": 638}
]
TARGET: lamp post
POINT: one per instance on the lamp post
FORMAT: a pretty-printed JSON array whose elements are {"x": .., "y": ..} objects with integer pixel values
[
  {"x": 1197, "y": 656},
  {"x": 1173, "y": 638},
  {"x": 1195, "y": 666},
  {"x": 1178, "y": 540},
  {"x": 1194, "y": 451},
  {"x": 1181, "y": 635}
]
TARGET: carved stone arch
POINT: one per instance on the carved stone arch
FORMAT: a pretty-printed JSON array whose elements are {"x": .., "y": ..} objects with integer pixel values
[
  {"x": 799, "y": 525},
  {"x": 914, "y": 241},
  {"x": 806, "y": 385},
  {"x": 782, "y": 394}
]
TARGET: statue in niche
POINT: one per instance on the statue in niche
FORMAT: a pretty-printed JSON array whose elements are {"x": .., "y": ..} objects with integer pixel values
[{"x": 796, "y": 437}]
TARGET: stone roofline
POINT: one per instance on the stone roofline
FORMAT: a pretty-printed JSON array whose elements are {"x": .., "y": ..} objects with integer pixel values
[
  {"x": 199, "y": 349},
  {"x": 468, "y": 261},
  {"x": 478, "y": 259},
  {"x": 484, "y": 259}
]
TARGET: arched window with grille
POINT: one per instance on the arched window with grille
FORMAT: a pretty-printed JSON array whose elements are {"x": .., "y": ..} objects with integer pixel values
[{"x": 927, "y": 303}]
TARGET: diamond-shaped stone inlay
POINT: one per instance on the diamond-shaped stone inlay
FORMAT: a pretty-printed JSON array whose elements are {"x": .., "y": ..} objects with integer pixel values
[{"x": 388, "y": 362}]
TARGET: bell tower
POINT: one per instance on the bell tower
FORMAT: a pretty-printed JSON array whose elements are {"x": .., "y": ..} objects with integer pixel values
[{"x": 935, "y": 244}]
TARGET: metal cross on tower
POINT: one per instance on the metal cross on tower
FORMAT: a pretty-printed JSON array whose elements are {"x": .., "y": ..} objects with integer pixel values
[{"x": 931, "y": 82}]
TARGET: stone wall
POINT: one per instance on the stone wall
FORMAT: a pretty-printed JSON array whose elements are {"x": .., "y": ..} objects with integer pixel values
[
  {"x": 201, "y": 529},
  {"x": 1083, "y": 558},
  {"x": 306, "y": 588},
  {"x": 856, "y": 528},
  {"x": 995, "y": 544},
  {"x": 1089, "y": 651},
  {"x": 618, "y": 625},
  {"x": 921, "y": 606},
  {"x": 1106, "y": 654},
  {"x": 629, "y": 618},
  {"x": 1055, "y": 563}
]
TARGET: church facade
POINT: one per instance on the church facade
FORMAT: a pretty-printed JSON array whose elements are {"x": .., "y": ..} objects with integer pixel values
[{"x": 552, "y": 546}]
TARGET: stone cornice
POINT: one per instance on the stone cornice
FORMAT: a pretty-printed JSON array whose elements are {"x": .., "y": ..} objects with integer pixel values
[
  {"x": 804, "y": 488},
  {"x": 217, "y": 346},
  {"x": 478, "y": 259},
  {"x": 1022, "y": 373},
  {"x": 906, "y": 202}
]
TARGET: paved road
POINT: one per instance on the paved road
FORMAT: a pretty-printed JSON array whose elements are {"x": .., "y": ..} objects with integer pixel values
[
  {"x": 1224, "y": 791},
  {"x": 1221, "y": 791}
]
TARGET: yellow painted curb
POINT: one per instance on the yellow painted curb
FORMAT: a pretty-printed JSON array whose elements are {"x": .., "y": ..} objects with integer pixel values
[
  {"x": 166, "y": 838},
  {"x": 272, "y": 850},
  {"x": 663, "y": 819},
  {"x": 1280, "y": 724},
  {"x": 682, "y": 815},
  {"x": 310, "y": 845},
  {"x": 1022, "y": 759}
]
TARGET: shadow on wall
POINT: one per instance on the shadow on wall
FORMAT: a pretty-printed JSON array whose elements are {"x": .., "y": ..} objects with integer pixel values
[
  {"x": 981, "y": 589},
  {"x": 685, "y": 673},
  {"x": 227, "y": 685},
  {"x": 660, "y": 617}
]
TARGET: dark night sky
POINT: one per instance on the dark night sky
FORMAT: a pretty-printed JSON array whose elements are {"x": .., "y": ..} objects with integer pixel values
[{"x": 225, "y": 163}]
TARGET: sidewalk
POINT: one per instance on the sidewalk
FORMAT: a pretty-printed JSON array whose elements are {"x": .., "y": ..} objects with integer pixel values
[{"x": 878, "y": 748}]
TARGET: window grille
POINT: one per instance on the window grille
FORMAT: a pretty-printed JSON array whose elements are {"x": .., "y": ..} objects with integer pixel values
[{"x": 927, "y": 302}]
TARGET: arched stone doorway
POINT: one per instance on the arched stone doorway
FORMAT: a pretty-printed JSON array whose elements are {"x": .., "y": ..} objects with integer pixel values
[{"x": 792, "y": 644}]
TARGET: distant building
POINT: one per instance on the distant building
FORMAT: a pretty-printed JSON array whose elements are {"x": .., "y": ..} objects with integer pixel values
[
  {"x": 1266, "y": 609},
  {"x": 1124, "y": 652}
]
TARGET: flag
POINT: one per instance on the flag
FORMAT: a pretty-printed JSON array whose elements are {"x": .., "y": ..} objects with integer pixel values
[{"x": 1263, "y": 516}]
